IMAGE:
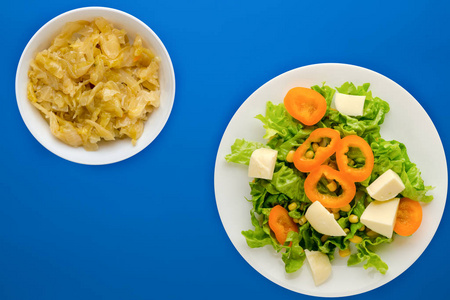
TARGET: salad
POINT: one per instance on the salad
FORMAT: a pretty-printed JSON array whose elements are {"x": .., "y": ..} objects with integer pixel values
[{"x": 327, "y": 183}]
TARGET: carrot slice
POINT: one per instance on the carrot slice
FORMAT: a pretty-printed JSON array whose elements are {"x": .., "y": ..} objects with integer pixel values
[
  {"x": 409, "y": 217},
  {"x": 306, "y": 105},
  {"x": 281, "y": 223}
]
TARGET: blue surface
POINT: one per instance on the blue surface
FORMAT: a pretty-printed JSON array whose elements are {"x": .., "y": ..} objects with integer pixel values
[{"x": 148, "y": 227}]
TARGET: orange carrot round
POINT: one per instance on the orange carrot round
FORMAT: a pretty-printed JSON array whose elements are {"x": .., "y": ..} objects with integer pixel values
[
  {"x": 409, "y": 217},
  {"x": 281, "y": 223},
  {"x": 306, "y": 105}
]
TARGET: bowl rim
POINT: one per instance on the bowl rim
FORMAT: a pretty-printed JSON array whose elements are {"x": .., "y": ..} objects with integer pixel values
[{"x": 84, "y": 157}]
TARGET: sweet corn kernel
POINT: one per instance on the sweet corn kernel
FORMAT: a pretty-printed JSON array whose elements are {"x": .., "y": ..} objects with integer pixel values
[
  {"x": 315, "y": 146},
  {"x": 372, "y": 234},
  {"x": 332, "y": 186},
  {"x": 353, "y": 219},
  {"x": 292, "y": 206},
  {"x": 356, "y": 239},
  {"x": 309, "y": 154},
  {"x": 346, "y": 208},
  {"x": 290, "y": 156},
  {"x": 345, "y": 253},
  {"x": 302, "y": 220},
  {"x": 335, "y": 210}
]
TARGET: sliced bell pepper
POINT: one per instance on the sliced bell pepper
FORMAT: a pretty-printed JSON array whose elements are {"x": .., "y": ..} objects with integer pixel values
[
  {"x": 409, "y": 217},
  {"x": 356, "y": 174},
  {"x": 304, "y": 164},
  {"x": 328, "y": 200},
  {"x": 306, "y": 105},
  {"x": 281, "y": 223}
]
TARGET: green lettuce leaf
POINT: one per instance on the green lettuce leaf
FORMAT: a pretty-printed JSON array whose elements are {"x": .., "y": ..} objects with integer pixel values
[
  {"x": 258, "y": 237},
  {"x": 241, "y": 151},
  {"x": 278, "y": 121},
  {"x": 393, "y": 155},
  {"x": 369, "y": 256},
  {"x": 290, "y": 181},
  {"x": 294, "y": 256},
  {"x": 284, "y": 146},
  {"x": 327, "y": 92}
]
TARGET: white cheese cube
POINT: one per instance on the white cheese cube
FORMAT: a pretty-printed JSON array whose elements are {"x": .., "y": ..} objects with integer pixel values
[
  {"x": 386, "y": 187},
  {"x": 322, "y": 220},
  {"x": 320, "y": 266},
  {"x": 380, "y": 216},
  {"x": 350, "y": 105},
  {"x": 262, "y": 163}
]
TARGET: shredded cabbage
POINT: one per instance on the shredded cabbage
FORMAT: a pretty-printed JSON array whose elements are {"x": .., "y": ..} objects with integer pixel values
[{"x": 92, "y": 84}]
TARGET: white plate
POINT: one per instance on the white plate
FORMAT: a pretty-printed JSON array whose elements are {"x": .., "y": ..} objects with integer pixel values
[
  {"x": 407, "y": 122},
  {"x": 108, "y": 152}
]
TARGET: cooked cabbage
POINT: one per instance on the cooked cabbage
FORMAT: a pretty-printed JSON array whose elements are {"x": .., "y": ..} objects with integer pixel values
[{"x": 92, "y": 84}]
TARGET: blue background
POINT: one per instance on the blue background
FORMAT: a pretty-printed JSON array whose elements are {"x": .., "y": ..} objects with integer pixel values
[{"x": 148, "y": 227}]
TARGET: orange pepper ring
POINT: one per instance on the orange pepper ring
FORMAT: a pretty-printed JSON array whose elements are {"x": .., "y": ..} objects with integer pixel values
[
  {"x": 356, "y": 174},
  {"x": 304, "y": 164},
  {"x": 329, "y": 201},
  {"x": 306, "y": 105},
  {"x": 281, "y": 223}
]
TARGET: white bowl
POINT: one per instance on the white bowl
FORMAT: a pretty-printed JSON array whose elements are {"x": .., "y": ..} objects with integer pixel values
[{"x": 108, "y": 152}]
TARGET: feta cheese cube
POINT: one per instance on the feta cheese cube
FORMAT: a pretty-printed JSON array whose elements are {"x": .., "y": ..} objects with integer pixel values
[
  {"x": 262, "y": 163},
  {"x": 386, "y": 187},
  {"x": 350, "y": 105},
  {"x": 380, "y": 216},
  {"x": 322, "y": 220}
]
